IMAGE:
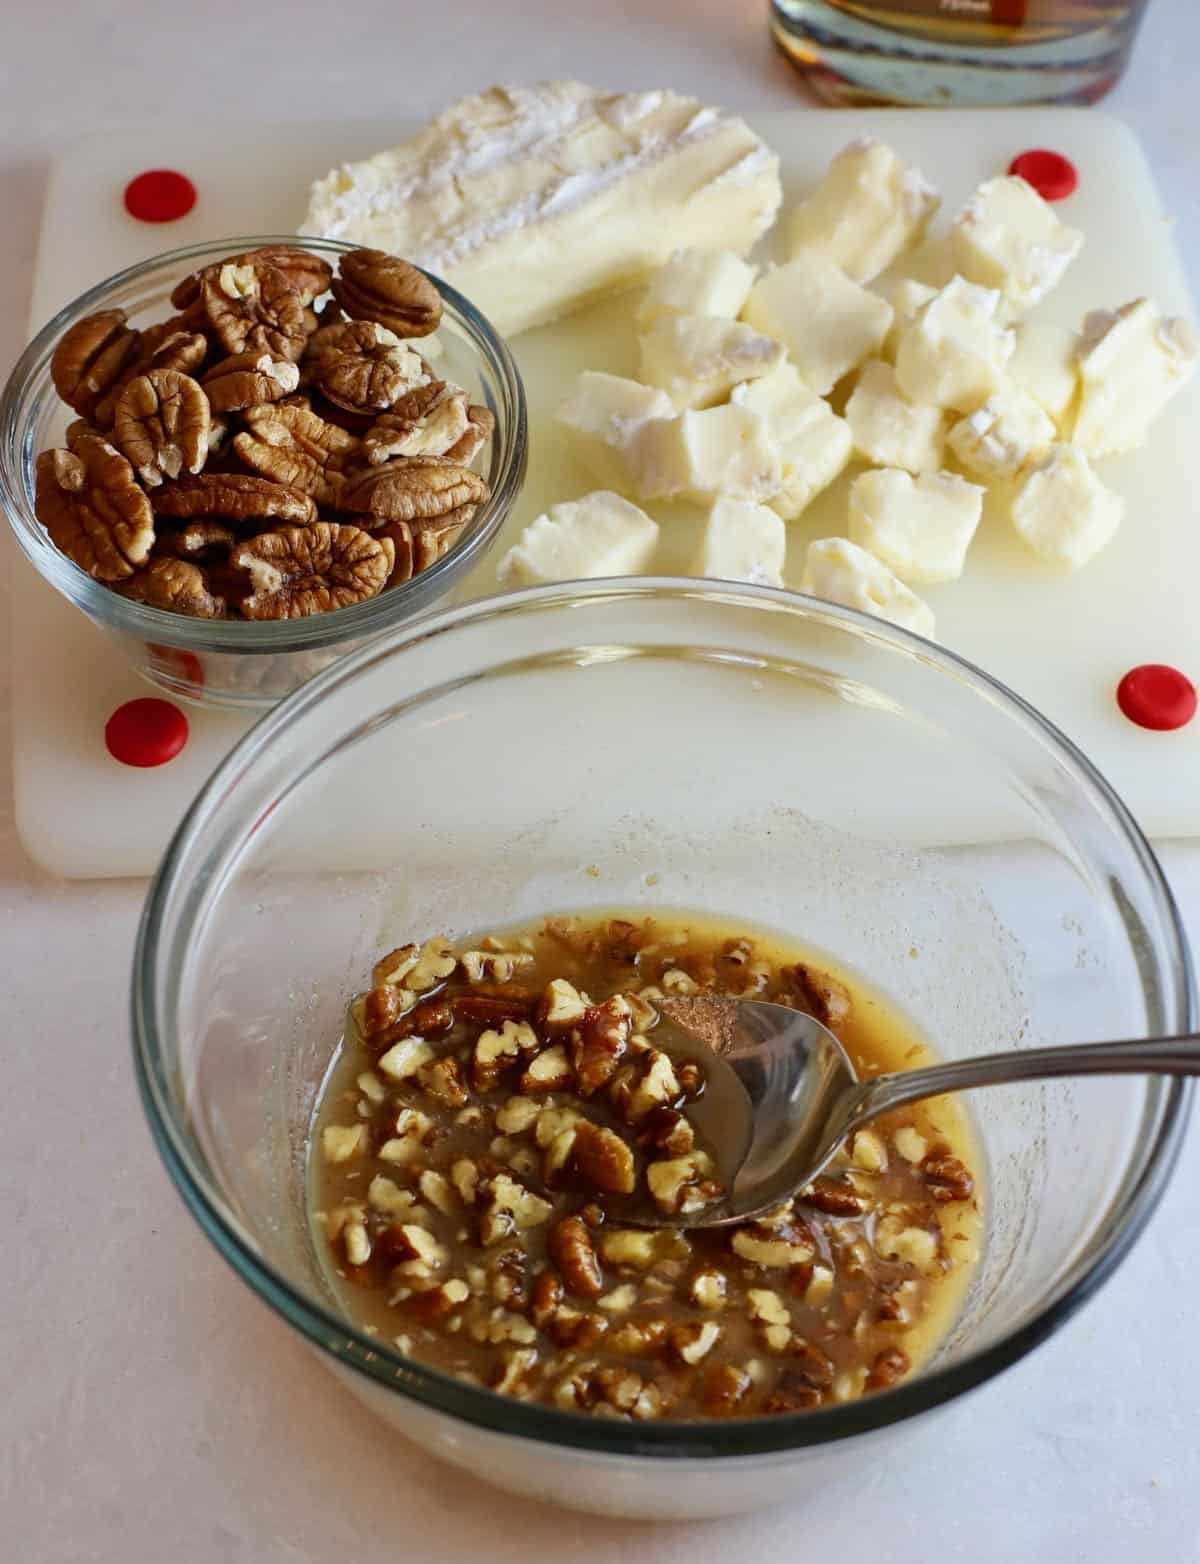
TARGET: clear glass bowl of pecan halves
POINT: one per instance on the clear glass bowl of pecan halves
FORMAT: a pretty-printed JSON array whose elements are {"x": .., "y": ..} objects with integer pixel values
[{"x": 247, "y": 458}]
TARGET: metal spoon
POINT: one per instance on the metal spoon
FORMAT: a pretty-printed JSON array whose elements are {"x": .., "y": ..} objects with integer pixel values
[{"x": 782, "y": 1095}]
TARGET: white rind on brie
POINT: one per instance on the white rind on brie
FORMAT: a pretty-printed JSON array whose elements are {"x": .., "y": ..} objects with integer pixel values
[{"x": 535, "y": 200}]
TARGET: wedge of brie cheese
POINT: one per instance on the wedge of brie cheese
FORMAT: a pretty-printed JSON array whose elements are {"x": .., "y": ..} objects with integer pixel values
[{"x": 534, "y": 200}]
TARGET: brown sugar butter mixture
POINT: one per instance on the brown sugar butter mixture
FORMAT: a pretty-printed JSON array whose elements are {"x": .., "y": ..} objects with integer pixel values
[{"x": 495, "y": 1104}]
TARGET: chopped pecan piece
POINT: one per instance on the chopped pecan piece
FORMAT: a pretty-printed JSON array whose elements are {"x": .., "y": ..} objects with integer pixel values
[
  {"x": 90, "y": 357},
  {"x": 384, "y": 1026},
  {"x": 176, "y": 585},
  {"x": 363, "y": 367},
  {"x": 692, "y": 1342},
  {"x": 888, "y": 1369},
  {"x": 668, "y": 1131},
  {"x": 89, "y": 502},
  {"x": 249, "y": 379},
  {"x": 816, "y": 993},
  {"x": 310, "y": 570},
  {"x": 725, "y": 1387},
  {"x": 161, "y": 424},
  {"x": 548, "y": 1294},
  {"x": 570, "y": 1247},
  {"x": 234, "y": 497},
  {"x": 443, "y": 1079},
  {"x": 251, "y": 304},
  {"x": 604, "y": 1159},
  {"x": 510, "y": 1279},
  {"x": 439, "y": 1302},
  {"x": 416, "y": 488},
  {"x": 375, "y": 286},
  {"x": 599, "y": 1043},
  {"x": 835, "y": 1198},
  {"x": 947, "y": 1176},
  {"x": 480, "y": 1010},
  {"x": 499, "y": 1051},
  {"x": 548, "y": 1071},
  {"x": 573, "y": 1328}
]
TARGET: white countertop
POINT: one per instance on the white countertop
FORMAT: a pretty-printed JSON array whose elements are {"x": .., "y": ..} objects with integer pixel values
[{"x": 153, "y": 1409}]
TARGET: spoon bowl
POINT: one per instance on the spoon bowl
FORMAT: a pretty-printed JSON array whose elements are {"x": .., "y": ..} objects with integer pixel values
[{"x": 782, "y": 1095}]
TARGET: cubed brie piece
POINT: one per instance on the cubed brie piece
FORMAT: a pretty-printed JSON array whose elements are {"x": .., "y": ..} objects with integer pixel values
[
  {"x": 814, "y": 443},
  {"x": 919, "y": 527},
  {"x": 1131, "y": 363},
  {"x": 888, "y": 429},
  {"x": 838, "y": 571},
  {"x": 1045, "y": 362},
  {"x": 703, "y": 454},
  {"x": 954, "y": 352},
  {"x": 999, "y": 438},
  {"x": 600, "y": 534},
  {"x": 697, "y": 282},
  {"x": 1063, "y": 511},
  {"x": 698, "y": 359},
  {"x": 827, "y": 323},
  {"x": 536, "y": 200},
  {"x": 605, "y": 413},
  {"x": 743, "y": 542},
  {"x": 907, "y": 298},
  {"x": 869, "y": 208},
  {"x": 1009, "y": 238}
]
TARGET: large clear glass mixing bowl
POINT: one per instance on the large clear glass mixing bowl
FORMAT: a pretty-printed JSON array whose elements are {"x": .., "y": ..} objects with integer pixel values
[{"x": 666, "y": 744}]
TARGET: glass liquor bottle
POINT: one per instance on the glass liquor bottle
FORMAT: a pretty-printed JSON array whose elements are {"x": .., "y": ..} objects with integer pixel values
[{"x": 974, "y": 52}]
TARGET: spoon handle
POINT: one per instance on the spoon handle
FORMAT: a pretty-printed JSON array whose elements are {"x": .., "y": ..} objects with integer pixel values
[{"x": 1144, "y": 1056}]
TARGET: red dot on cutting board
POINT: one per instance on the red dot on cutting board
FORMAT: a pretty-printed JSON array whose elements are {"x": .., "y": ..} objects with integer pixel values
[
  {"x": 160, "y": 195},
  {"x": 1053, "y": 176},
  {"x": 1157, "y": 696},
  {"x": 146, "y": 732}
]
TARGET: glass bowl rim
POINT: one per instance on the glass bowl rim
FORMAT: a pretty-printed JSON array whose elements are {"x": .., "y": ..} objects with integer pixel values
[
  {"x": 317, "y": 631},
  {"x": 726, "y": 1438}
]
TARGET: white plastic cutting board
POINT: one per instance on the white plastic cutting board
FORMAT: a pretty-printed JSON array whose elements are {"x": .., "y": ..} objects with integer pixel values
[{"x": 1062, "y": 643}]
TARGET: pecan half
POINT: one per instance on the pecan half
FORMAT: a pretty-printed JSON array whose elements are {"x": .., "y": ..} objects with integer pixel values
[
  {"x": 380, "y": 287},
  {"x": 481, "y": 426},
  {"x": 166, "y": 346},
  {"x": 432, "y": 432},
  {"x": 363, "y": 367},
  {"x": 252, "y": 304},
  {"x": 570, "y": 1247},
  {"x": 174, "y": 584},
  {"x": 90, "y": 357},
  {"x": 294, "y": 445},
  {"x": 201, "y": 542},
  {"x": 234, "y": 497},
  {"x": 308, "y": 274},
  {"x": 249, "y": 379},
  {"x": 161, "y": 423},
  {"x": 297, "y": 571},
  {"x": 89, "y": 502},
  {"x": 415, "y": 488}
]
